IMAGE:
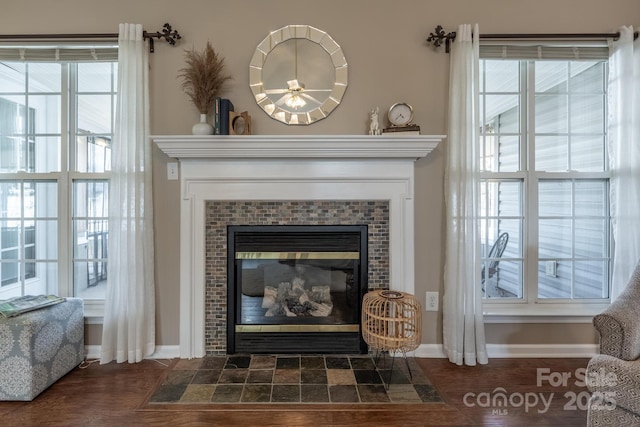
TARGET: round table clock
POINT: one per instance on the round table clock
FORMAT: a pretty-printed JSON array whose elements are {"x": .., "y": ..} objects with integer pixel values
[{"x": 400, "y": 114}]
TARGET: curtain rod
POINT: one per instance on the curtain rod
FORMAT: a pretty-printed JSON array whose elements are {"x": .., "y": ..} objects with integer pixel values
[
  {"x": 439, "y": 37},
  {"x": 167, "y": 33}
]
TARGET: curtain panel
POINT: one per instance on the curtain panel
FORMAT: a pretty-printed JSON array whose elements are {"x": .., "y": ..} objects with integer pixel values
[
  {"x": 463, "y": 324},
  {"x": 624, "y": 156},
  {"x": 129, "y": 319}
]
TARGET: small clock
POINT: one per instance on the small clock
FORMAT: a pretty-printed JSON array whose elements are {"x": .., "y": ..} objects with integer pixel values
[{"x": 400, "y": 114}]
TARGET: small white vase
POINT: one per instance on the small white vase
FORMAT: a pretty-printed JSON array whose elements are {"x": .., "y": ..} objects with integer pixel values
[{"x": 202, "y": 128}]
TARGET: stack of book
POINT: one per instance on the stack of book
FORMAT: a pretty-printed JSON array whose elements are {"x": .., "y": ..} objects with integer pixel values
[
  {"x": 402, "y": 130},
  {"x": 221, "y": 109}
]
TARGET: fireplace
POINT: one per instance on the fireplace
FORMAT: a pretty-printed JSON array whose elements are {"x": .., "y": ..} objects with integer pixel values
[
  {"x": 296, "y": 288},
  {"x": 256, "y": 171}
]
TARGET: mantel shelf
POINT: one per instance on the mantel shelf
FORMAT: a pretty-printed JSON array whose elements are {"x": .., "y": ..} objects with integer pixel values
[{"x": 297, "y": 146}]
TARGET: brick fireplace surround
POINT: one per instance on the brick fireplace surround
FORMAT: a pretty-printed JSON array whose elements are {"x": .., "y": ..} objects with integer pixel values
[{"x": 326, "y": 176}]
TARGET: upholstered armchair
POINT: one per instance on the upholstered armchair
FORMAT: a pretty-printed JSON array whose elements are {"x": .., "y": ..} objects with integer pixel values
[{"x": 613, "y": 376}]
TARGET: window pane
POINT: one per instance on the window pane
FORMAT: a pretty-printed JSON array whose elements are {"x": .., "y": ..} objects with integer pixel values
[
  {"x": 501, "y": 239},
  {"x": 47, "y": 113},
  {"x": 501, "y": 76},
  {"x": 14, "y": 144},
  {"x": 503, "y": 112},
  {"x": 507, "y": 280},
  {"x": 93, "y": 153},
  {"x": 554, "y": 279},
  {"x": 552, "y": 153},
  {"x": 551, "y": 114},
  {"x": 592, "y": 198},
  {"x": 10, "y": 199},
  {"x": 45, "y": 77},
  {"x": 90, "y": 198},
  {"x": 12, "y": 76},
  {"x": 94, "y": 114},
  {"x": 587, "y": 114},
  {"x": 41, "y": 239},
  {"x": 587, "y": 77},
  {"x": 554, "y": 198},
  {"x": 10, "y": 239},
  {"x": 589, "y": 278},
  {"x": 40, "y": 199},
  {"x": 44, "y": 278},
  {"x": 47, "y": 154},
  {"x": 588, "y": 153},
  {"x": 94, "y": 77},
  {"x": 591, "y": 235},
  {"x": 551, "y": 76},
  {"x": 555, "y": 238},
  {"x": 89, "y": 279},
  {"x": 90, "y": 231},
  {"x": 13, "y": 117}
]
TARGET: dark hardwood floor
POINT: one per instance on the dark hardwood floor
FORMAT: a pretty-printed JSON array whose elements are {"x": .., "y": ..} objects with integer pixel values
[{"x": 115, "y": 395}]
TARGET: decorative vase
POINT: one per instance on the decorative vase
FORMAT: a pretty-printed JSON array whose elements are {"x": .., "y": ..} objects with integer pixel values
[{"x": 203, "y": 127}]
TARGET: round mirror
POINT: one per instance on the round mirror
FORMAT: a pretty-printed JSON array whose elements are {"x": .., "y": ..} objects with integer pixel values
[{"x": 298, "y": 74}]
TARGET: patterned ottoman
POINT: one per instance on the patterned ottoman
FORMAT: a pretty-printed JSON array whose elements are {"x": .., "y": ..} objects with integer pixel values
[{"x": 39, "y": 347}]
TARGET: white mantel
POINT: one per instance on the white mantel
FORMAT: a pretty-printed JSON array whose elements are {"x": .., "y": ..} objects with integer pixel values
[
  {"x": 275, "y": 167},
  {"x": 297, "y": 146}
]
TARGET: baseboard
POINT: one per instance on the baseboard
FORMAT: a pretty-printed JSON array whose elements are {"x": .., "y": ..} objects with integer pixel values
[
  {"x": 434, "y": 351},
  {"x": 162, "y": 352},
  {"x": 519, "y": 350}
]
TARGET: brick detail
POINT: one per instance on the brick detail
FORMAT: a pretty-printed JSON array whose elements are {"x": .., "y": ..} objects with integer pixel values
[{"x": 221, "y": 213}]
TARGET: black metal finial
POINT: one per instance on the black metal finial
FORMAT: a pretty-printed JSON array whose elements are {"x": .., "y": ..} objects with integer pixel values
[
  {"x": 168, "y": 34},
  {"x": 439, "y": 36}
]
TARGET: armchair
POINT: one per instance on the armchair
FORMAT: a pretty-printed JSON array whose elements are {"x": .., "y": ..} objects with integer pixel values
[{"x": 613, "y": 376}]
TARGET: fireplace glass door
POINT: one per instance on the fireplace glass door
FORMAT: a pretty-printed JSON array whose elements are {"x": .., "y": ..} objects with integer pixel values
[{"x": 296, "y": 288}]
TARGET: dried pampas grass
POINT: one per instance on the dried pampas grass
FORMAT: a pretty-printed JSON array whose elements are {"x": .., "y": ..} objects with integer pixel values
[{"x": 203, "y": 77}]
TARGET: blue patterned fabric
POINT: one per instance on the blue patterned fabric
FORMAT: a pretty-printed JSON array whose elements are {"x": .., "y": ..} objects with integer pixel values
[{"x": 39, "y": 347}]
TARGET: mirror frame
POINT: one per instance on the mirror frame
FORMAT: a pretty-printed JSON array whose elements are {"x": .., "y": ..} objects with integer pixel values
[{"x": 284, "y": 113}]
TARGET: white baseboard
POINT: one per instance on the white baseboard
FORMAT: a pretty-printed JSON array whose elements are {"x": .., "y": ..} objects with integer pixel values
[
  {"x": 519, "y": 350},
  {"x": 434, "y": 351},
  {"x": 162, "y": 352}
]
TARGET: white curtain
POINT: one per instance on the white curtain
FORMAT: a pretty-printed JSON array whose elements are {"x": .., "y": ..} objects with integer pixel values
[
  {"x": 463, "y": 323},
  {"x": 129, "y": 318},
  {"x": 624, "y": 156}
]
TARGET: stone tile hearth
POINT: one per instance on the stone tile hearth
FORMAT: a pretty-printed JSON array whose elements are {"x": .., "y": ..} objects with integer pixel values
[{"x": 294, "y": 379}]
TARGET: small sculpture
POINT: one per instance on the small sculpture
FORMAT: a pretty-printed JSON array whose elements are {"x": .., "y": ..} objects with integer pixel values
[{"x": 374, "y": 125}]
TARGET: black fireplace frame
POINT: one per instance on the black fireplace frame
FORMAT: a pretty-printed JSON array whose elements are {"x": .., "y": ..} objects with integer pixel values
[{"x": 294, "y": 342}]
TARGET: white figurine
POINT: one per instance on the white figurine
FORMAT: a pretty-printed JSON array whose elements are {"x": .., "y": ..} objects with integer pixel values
[{"x": 374, "y": 126}]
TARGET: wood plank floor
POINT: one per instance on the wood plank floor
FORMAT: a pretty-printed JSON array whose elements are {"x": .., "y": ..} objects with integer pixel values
[{"x": 114, "y": 394}]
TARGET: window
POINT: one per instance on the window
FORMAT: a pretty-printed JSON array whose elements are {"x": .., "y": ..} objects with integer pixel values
[
  {"x": 56, "y": 125},
  {"x": 544, "y": 181}
]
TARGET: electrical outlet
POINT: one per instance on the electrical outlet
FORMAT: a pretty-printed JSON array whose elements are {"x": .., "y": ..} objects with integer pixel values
[
  {"x": 432, "y": 301},
  {"x": 172, "y": 171}
]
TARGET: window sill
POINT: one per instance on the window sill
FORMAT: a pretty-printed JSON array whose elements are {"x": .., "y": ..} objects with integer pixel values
[
  {"x": 93, "y": 311},
  {"x": 542, "y": 313}
]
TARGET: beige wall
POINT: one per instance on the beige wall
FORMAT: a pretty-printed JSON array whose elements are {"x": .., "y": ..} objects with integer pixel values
[{"x": 384, "y": 43}]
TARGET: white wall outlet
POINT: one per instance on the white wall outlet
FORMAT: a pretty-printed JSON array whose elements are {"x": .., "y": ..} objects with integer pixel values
[
  {"x": 432, "y": 301},
  {"x": 172, "y": 171}
]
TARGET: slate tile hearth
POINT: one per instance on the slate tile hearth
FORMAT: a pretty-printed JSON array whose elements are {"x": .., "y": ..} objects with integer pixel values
[{"x": 294, "y": 379}]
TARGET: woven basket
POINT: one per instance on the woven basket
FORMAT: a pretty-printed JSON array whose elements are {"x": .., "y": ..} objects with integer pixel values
[{"x": 391, "y": 321}]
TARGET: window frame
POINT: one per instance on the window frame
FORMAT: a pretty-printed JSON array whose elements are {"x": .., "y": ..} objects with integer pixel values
[
  {"x": 530, "y": 308},
  {"x": 67, "y": 176}
]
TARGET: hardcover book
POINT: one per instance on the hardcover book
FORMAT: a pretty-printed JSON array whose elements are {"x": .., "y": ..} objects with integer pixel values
[
  {"x": 216, "y": 115},
  {"x": 226, "y": 106},
  {"x": 402, "y": 130}
]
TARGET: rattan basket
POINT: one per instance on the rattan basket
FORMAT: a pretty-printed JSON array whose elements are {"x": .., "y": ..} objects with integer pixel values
[{"x": 391, "y": 321}]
